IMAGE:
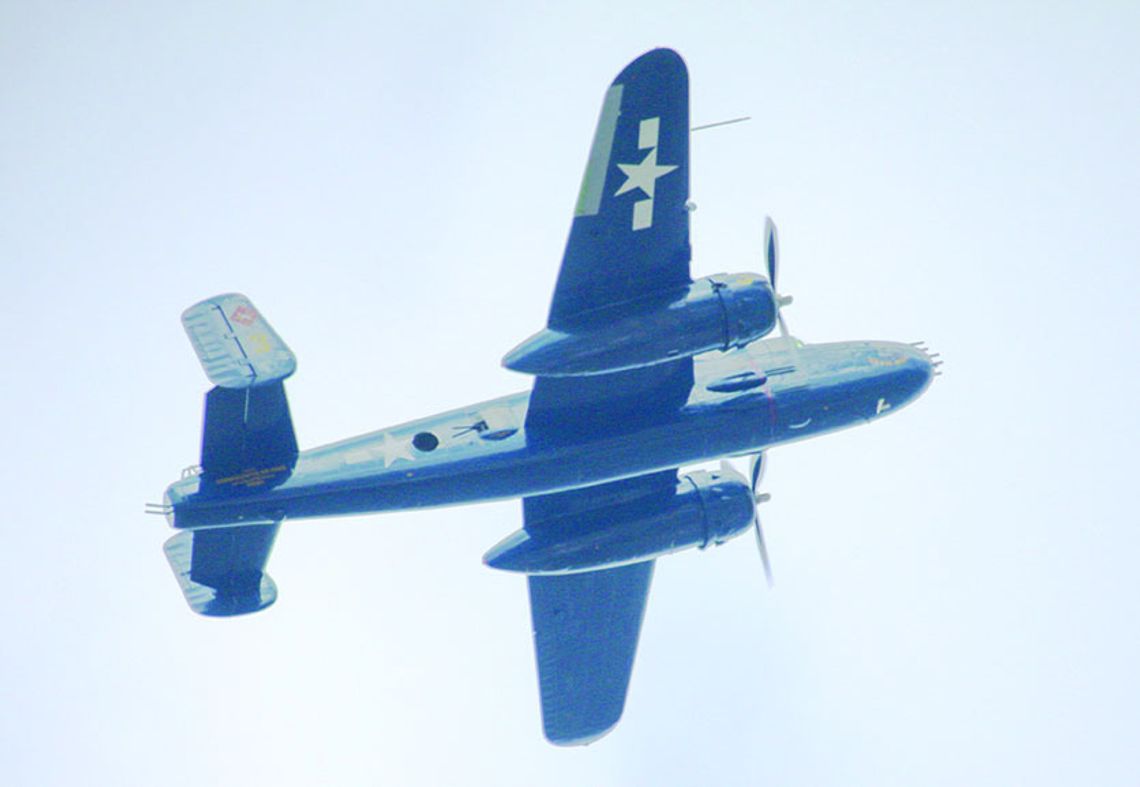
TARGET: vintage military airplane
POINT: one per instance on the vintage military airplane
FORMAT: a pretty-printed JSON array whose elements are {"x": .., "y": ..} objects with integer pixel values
[{"x": 640, "y": 370}]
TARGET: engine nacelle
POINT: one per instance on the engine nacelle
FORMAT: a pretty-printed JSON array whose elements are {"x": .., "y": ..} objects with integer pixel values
[
  {"x": 706, "y": 508},
  {"x": 715, "y": 313}
]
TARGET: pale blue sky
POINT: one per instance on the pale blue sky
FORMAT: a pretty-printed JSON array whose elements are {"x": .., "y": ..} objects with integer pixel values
[{"x": 956, "y": 596}]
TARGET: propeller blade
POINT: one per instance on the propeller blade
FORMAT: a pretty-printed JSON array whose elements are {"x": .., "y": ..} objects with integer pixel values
[
  {"x": 758, "y": 464},
  {"x": 757, "y": 470},
  {"x": 763, "y": 552},
  {"x": 772, "y": 258},
  {"x": 771, "y": 250}
]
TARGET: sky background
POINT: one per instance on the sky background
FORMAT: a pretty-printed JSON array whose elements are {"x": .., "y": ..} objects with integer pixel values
[{"x": 956, "y": 593}]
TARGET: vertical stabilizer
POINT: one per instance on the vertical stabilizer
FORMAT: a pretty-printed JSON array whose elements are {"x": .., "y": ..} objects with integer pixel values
[
  {"x": 247, "y": 439},
  {"x": 222, "y": 570}
]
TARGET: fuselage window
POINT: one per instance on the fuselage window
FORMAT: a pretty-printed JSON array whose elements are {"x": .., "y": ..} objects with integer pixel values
[{"x": 425, "y": 441}]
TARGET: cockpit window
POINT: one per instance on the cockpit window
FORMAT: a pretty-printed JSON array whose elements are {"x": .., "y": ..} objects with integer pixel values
[{"x": 883, "y": 357}]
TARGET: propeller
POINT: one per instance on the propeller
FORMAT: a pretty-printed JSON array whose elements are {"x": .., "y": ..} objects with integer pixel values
[
  {"x": 772, "y": 258},
  {"x": 758, "y": 473}
]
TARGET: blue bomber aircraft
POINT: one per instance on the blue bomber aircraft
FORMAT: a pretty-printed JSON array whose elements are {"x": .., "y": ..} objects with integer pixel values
[{"x": 639, "y": 371}]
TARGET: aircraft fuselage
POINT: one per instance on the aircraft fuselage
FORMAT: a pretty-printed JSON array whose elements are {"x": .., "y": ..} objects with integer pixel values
[{"x": 741, "y": 402}]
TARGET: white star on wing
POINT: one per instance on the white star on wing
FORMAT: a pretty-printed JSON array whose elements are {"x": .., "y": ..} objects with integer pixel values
[
  {"x": 393, "y": 449},
  {"x": 644, "y": 175}
]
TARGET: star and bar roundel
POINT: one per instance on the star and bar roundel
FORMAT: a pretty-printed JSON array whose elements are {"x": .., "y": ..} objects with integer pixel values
[{"x": 630, "y": 233}]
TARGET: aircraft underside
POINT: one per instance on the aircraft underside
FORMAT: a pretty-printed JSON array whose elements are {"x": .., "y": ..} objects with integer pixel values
[{"x": 639, "y": 371}]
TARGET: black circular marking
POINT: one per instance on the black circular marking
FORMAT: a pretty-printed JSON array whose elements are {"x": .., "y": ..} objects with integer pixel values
[{"x": 425, "y": 441}]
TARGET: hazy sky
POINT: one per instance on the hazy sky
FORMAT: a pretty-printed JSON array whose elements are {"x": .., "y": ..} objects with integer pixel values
[{"x": 957, "y": 595}]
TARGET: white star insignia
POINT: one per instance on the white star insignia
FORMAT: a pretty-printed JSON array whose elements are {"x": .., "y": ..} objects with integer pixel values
[
  {"x": 644, "y": 175},
  {"x": 393, "y": 449}
]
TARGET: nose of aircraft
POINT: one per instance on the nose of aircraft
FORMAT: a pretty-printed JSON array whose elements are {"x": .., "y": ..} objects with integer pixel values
[
  {"x": 897, "y": 374},
  {"x": 911, "y": 371}
]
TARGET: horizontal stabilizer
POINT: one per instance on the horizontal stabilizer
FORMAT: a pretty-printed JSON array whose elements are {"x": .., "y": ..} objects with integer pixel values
[
  {"x": 234, "y": 343},
  {"x": 221, "y": 570}
]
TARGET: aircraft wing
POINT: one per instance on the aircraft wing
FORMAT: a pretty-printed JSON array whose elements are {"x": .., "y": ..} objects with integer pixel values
[
  {"x": 586, "y": 625},
  {"x": 629, "y": 239},
  {"x": 630, "y": 234},
  {"x": 586, "y": 628}
]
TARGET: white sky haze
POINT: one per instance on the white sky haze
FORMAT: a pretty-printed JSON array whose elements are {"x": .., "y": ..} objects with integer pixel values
[{"x": 956, "y": 595}]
